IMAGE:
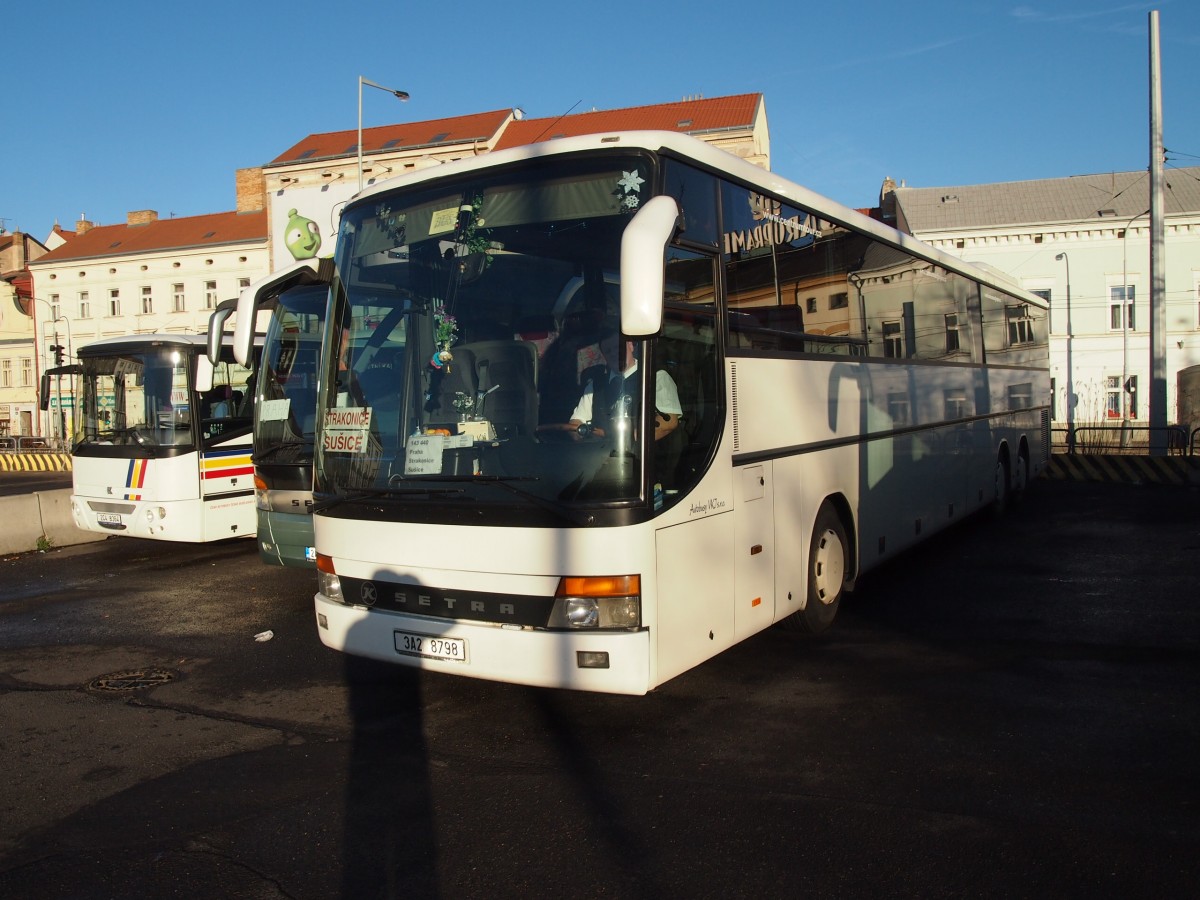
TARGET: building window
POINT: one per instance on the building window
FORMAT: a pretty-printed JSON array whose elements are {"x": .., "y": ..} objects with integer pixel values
[
  {"x": 1114, "y": 396},
  {"x": 1113, "y": 390},
  {"x": 1118, "y": 296},
  {"x": 210, "y": 295},
  {"x": 177, "y": 303},
  {"x": 898, "y": 408},
  {"x": 954, "y": 402},
  {"x": 85, "y": 306},
  {"x": 839, "y": 301},
  {"x": 6, "y": 373},
  {"x": 893, "y": 340},
  {"x": 243, "y": 282},
  {"x": 952, "y": 344},
  {"x": 55, "y": 309},
  {"x": 810, "y": 304},
  {"x": 1044, "y": 293},
  {"x": 26, "y": 371},
  {"x": 114, "y": 302},
  {"x": 147, "y": 301},
  {"x": 1020, "y": 324}
]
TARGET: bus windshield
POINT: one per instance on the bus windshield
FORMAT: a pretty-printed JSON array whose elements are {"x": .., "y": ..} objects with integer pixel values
[
  {"x": 287, "y": 399},
  {"x": 476, "y": 354},
  {"x": 137, "y": 398}
]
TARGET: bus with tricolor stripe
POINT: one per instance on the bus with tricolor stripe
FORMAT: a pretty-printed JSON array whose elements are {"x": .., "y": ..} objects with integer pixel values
[{"x": 163, "y": 440}]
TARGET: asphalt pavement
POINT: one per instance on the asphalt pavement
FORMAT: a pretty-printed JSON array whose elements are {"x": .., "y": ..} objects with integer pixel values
[{"x": 1008, "y": 711}]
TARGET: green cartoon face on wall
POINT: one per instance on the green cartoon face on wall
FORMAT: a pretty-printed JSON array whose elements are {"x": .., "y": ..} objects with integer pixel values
[{"x": 302, "y": 237}]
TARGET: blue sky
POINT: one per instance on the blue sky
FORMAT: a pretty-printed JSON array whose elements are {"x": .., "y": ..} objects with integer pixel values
[{"x": 127, "y": 105}]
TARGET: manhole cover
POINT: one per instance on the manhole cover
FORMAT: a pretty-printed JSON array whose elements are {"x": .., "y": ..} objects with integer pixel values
[{"x": 131, "y": 681}]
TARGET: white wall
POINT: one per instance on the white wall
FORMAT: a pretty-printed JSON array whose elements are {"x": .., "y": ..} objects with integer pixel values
[{"x": 1098, "y": 259}]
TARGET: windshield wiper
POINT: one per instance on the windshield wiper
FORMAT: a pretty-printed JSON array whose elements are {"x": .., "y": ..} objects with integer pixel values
[
  {"x": 570, "y": 513},
  {"x": 377, "y": 493},
  {"x": 298, "y": 447}
]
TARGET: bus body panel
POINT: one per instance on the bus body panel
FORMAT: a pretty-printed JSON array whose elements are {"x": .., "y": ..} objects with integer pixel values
[
  {"x": 694, "y": 618},
  {"x": 157, "y": 498},
  {"x": 535, "y": 658},
  {"x": 149, "y": 498},
  {"x": 516, "y": 562},
  {"x": 919, "y": 474},
  {"x": 286, "y": 539}
]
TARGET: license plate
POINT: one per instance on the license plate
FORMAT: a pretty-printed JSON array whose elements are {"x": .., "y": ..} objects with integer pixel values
[
  {"x": 108, "y": 518},
  {"x": 428, "y": 646}
]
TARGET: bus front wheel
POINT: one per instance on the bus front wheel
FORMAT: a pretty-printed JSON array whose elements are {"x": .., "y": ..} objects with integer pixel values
[{"x": 828, "y": 563}]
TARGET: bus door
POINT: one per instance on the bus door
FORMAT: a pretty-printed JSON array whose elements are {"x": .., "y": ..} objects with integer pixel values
[{"x": 226, "y": 473}]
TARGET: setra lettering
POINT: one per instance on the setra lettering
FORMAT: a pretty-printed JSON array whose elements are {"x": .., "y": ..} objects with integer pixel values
[{"x": 446, "y": 606}]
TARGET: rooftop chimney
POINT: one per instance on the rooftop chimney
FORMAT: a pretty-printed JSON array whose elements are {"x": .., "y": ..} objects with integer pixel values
[
  {"x": 251, "y": 188},
  {"x": 141, "y": 217}
]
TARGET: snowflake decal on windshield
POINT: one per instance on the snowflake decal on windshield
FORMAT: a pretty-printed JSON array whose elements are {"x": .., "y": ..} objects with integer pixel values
[{"x": 631, "y": 186}]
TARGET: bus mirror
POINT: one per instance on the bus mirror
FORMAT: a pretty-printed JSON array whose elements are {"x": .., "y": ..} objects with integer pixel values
[
  {"x": 216, "y": 326},
  {"x": 204, "y": 373},
  {"x": 643, "y": 247},
  {"x": 44, "y": 392}
]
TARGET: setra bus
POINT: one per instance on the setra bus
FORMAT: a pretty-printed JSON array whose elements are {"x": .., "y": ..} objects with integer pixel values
[
  {"x": 162, "y": 442},
  {"x": 503, "y": 492},
  {"x": 285, "y": 384}
]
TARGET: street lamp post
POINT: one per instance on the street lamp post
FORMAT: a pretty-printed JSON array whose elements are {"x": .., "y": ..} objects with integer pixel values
[
  {"x": 1070, "y": 371},
  {"x": 399, "y": 95},
  {"x": 1125, "y": 329}
]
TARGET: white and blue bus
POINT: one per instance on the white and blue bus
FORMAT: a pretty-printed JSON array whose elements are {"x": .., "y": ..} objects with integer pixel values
[
  {"x": 293, "y": 301},
  {"x": 162, "y": 442},
  {"x": 501, "y": 492}
]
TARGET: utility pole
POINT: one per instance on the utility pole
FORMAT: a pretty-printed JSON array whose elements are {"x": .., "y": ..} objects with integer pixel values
[{"x": 1158, "y": 293}]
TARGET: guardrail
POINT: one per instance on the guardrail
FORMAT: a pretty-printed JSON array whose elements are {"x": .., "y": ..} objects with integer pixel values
[
  {"x": 1125, "y": 440},
  {"x": 29, "y": 443}
]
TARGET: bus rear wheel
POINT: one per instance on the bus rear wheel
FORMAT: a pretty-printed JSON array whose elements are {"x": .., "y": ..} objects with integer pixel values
[{"x": 828, "y": 564}]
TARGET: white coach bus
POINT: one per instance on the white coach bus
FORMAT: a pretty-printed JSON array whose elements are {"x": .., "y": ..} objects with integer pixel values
[
  {"x": 162, "y": 442},
  {"x": 827, "y": 392},
  {"x": 293, "y": 301}
]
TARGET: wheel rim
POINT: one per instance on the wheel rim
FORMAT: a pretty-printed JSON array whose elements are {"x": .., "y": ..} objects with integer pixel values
[{"x": 829, "y": 568}]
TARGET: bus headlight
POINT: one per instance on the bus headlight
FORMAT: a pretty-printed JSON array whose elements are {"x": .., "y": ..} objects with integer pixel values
[
  {"x": 328, "y": 582},
  {"x": 260, "y": 493},
  {"x": 597, "y": 602}
]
